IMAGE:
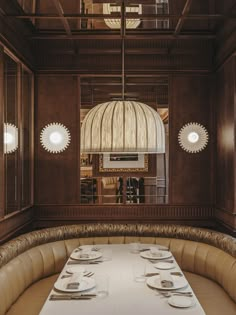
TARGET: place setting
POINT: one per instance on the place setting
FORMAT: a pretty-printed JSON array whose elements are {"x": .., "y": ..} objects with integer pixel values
[
  {"x": 168, "y": 284},
  {"x": 154, "y": 253},
  {"x": 85, "y": 255},
  {"x": 77, "y": 283}
]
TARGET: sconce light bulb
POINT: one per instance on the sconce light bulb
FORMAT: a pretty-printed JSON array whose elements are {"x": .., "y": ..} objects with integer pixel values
[
  {"x": 8, "y": 138},
  {"x": 55, "y": 137},
  {"x": 193, "y": 137}
]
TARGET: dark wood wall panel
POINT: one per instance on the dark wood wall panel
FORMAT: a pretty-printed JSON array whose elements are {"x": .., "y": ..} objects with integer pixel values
[
  {"x": 199, "y": 215},
  {"x": 56, "y": 175},
  {"x": 190, "y": 174},
  {"x": 225, "y": 128},
  {"x": 15, "y": 224}
]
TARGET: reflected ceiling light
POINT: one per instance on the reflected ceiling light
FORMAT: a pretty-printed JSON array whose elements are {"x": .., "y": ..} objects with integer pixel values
[
  {"x": 10, "y": 139},
  {"x": 122, "y": 127},
  {"x": 109, "y": 8},
  {"x": 193, "y": 137},
  {"x": 55, "y": 138}
]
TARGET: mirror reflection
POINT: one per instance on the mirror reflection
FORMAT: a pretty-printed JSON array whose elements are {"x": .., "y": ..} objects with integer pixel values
[{"x": 125, "y": 178}]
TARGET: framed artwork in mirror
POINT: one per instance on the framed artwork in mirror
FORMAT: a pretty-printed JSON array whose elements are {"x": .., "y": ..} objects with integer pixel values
[{"x": 117, "y": 162}]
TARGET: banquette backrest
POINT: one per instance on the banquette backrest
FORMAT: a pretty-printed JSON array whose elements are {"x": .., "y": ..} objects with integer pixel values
[{"x": 39, "y": 254}]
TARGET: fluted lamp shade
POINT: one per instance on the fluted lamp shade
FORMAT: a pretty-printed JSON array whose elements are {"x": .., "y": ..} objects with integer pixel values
[{"x": 122, "y": 127}]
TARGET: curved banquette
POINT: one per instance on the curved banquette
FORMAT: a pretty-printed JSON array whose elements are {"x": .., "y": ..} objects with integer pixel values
[{"x": 30, "y": 263}]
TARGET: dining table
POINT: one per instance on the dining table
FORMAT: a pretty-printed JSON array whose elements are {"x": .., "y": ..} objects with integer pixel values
[{"x": 126, "y": 295}]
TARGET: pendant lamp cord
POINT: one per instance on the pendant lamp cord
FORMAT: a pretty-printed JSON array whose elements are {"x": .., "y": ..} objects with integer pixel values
[{"x": 123, "y": 25}]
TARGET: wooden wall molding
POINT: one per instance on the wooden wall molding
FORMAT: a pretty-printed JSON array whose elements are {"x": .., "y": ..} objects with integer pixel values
[
  {"x": 52, "y": 215},
  {"x": 15, "y": 224},
  {"x": 226, "y": 219}
]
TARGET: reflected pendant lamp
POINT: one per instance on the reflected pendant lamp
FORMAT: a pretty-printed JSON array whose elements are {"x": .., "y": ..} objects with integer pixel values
[
  {"x": 108, "y": 8},
  {"x": 122, "y": 127}
]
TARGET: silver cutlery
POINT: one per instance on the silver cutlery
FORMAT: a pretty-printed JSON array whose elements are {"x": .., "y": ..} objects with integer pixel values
[
  {"x": 173, "y": 273},
  {"x": 60, "y": 297},
  {"x": 84, "y": 262},
  {"x": 169, "y": 294},
  {"x": 154, "y": 261},
  {"x": 87, "y": 274}
]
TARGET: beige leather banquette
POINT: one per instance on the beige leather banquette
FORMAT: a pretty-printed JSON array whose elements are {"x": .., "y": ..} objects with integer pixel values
[{"x": 29, "y": 264}]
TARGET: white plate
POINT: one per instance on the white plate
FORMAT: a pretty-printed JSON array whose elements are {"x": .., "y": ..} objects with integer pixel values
[
  {"x": 147, "y": 254},
  {"x": 87, "y": 283},
  {"x": 76, "y": 269},
  {"x": 179, "y": 282},
  {"x": 164, "y": 265},
  {"x": 92, "y": 255},
  {"x": 181, "y": 301}
]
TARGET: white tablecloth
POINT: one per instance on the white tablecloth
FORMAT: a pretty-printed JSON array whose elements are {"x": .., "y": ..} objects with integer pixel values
[{"x": 125, "y": 295}]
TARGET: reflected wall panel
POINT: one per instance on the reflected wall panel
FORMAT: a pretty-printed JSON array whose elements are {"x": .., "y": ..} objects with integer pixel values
[
  {"x": 225, "y": 128},
  {"x": 191, "y": 175},
  {"x": 56, "y": 175}
]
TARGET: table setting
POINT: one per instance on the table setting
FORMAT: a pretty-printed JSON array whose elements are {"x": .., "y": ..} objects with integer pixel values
[{"x": 143, "y": 279}]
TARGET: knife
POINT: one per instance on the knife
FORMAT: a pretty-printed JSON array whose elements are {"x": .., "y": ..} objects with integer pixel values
[
  {"x": 57, "y": 297},
  {"x": 84, "y": 262},
  {"x": 174, "y": 273}
]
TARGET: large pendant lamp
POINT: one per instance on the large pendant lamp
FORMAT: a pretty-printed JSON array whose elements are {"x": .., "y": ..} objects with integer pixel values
[{"x": 122, "y": 126}]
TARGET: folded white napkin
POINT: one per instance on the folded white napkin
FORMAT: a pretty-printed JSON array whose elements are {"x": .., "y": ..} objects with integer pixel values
[
  {"x": 75, "y": 281},
  {"x": 155, "y": 252},
  {"x": 166, "y": 279}
]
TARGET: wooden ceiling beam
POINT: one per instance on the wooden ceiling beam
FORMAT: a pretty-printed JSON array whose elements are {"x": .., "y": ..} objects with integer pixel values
[
  {"x": 108, "y": 51},
  {"x": 183, "y": 15},
  {"x": 135, "y": 36},
  {"x": 62, "y": 18},
  {"x": 149, "y": 16}
]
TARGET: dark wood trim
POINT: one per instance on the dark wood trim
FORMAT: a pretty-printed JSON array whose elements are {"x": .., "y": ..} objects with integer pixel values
[
  {"x": 78, "y": 134},
  {"x": 226, "y": 219},
  {"x": 20, "y": 123},
  {"x": 32, "y": 124},
  {"x": 51, "y": 215},
  {"x": 60, "y": 11},
  {"x": 15, "y": 224},
  {"x": 2, "y": 158},
  {"x": 74, "y": 16},
  {"x": 115, "y": 36},
  {"x": 180, "y": 22}
]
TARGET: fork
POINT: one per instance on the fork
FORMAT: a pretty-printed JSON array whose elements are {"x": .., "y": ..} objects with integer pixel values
[{"x": 88, "y": 274}]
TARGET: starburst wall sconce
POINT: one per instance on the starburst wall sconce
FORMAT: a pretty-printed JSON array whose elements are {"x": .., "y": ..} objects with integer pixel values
[
  {"x": 193, "y": 137},
  {"x": 55, "y": 138}
]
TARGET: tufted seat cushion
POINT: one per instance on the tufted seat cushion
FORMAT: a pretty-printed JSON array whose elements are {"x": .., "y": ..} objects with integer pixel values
[
  {"x": 214, "y": 300},
  {"x": 33, "y": 298}
]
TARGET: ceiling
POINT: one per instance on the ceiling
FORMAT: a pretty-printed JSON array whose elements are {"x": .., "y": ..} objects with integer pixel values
[{"x": 176, "y": 33}]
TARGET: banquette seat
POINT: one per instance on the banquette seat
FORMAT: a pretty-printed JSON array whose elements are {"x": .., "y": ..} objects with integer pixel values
[{"x": 30, "y": 263}]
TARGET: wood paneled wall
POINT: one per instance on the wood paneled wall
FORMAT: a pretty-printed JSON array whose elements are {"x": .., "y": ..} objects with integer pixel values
[
  {"x": 57, "y": 175},
  {"x": 191, "y": 174},
  {"x": 224, "y": 106}
]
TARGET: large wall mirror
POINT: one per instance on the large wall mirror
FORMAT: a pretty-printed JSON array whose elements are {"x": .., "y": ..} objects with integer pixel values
[
  {"x": 17, "y": 142},
  {"x": 11, "y": 135},
  {"x": 126, "y": 178}
]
